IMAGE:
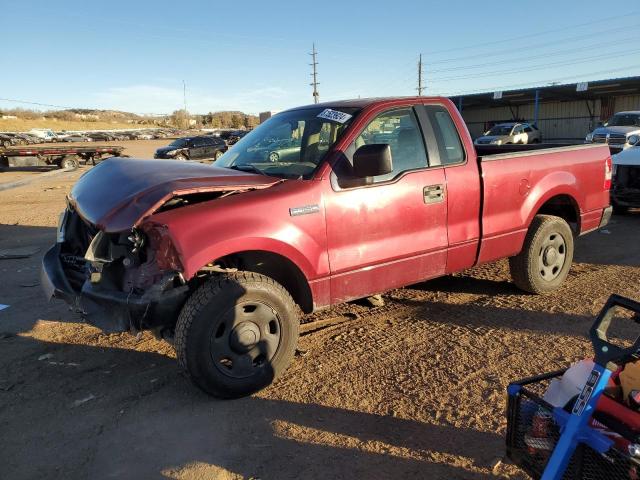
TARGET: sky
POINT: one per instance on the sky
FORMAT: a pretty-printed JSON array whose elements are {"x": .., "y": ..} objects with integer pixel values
[{"x": 253, "y": 56}]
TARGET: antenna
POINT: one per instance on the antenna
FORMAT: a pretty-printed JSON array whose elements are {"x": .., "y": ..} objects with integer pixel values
[{"x": 314, "y": 75}]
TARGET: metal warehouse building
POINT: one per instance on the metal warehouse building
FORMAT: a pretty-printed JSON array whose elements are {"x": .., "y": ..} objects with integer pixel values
[{"x": 562, "y": 112}]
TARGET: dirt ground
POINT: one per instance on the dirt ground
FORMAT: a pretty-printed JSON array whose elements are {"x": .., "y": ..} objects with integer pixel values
[{"x": 413, "y": 389}]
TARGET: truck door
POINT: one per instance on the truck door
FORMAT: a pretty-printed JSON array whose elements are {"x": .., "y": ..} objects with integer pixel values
[
  {"x": 463, "y": 186},
  {"x": 390, "y": 230}
]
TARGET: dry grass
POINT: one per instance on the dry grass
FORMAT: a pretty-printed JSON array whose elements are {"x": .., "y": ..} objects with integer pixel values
[{"x": 24, "y": 125}]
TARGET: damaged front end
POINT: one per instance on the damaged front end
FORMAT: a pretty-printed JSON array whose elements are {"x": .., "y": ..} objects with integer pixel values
[
  {"x": 112, "y": 262},
  {"x": 127, "y": 281}
]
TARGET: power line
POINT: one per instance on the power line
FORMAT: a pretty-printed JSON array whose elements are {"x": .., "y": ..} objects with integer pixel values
[
  {"x": 529, "y": 57},
  {"x": 540, "y": 82},
  {"x": 420, "y": 87},
  {"x": 314, "y": 84},
  {"x": 529, "y": 69},
  {"x": 532, "y": 35}
]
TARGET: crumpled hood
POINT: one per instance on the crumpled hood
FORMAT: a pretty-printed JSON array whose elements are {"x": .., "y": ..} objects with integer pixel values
[{"x": 119, "y": 193}]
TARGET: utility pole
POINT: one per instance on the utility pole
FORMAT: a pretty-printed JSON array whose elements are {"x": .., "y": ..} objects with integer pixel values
[
  {"x": 184, "y": 94},
  {"x": 420, "y": 87},
  {"x": 314, "y": 75},
  {"x": 184, "y": 99}
]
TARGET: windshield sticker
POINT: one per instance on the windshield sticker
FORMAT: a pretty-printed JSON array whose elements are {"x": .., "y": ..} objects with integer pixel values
[{"x": 334, "y": 115}]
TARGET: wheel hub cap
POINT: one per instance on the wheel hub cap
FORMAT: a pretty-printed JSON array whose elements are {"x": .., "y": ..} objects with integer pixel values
[
  {"x": 244, "y": 337},
  {"x": 550, "y": 256}
]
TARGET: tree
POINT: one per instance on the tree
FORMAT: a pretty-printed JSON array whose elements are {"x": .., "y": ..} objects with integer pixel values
[{"x": 180, "y": 118}]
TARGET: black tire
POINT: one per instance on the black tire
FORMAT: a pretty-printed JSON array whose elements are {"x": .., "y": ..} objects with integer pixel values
[
  {"x": 545, "y": 259},
  {"x": 619, "y": 209},
  {"x": 236, "y": 333},
  {"x": 69, "y": 162},
  {"x": 181, "y": 156},
  {"x": 273, "y": 157},
  {"x": 217, "y": 155}
]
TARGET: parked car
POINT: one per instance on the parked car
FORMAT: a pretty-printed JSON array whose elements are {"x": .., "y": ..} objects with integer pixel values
[
  {"x": 144, "y": 136},
  {"x": 76, "y": 137},
  {"x": 193, "y": 148},
  {"x": 16, "y": 139},
  {"x": 100, "y": 136},
  {"x": 282, "y": 150},
  {"x": 510, "y": 133},
  {"x": 7, "y": 141},
  {"x": 625, "y": 192},
  {"x": 620, "y": 132},
  {"x": 222, "y": 259},
  {"x": 29, "y": 139}
]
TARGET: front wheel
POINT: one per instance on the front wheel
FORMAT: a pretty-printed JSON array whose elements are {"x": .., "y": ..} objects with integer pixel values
[
  {"x": 236, "y": 334},
  {"x": 217, "y": 155},
  {"x": 545, "y": 259},
  {"x": 181, "y": 157}
]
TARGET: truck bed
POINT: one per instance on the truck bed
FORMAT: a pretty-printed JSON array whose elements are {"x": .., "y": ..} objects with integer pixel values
[{"x": 506, "y": 184}]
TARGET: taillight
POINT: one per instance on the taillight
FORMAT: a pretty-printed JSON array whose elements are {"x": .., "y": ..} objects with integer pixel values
[{"x": 608, "y": 171}]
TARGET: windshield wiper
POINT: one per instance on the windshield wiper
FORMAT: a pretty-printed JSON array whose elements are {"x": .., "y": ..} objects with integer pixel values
[{"x": 247, "y": 168}]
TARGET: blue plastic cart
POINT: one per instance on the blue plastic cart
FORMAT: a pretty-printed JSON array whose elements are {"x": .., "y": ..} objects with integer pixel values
[{"x": 560, "y": 443}]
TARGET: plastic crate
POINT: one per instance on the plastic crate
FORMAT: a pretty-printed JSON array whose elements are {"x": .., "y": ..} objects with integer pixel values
[{"x": 533, "y": 429}]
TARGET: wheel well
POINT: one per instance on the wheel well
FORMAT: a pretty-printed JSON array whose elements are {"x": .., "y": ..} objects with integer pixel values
[
  {"x": 565, "y": 207},
  {"x": 280, "y": 268}
]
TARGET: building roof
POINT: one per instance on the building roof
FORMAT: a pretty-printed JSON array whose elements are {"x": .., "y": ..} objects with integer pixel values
[{"x": 551, "y": 93}]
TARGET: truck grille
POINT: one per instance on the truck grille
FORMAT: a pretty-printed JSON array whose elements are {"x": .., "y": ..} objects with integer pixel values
[{"x": 614, "y": 138}]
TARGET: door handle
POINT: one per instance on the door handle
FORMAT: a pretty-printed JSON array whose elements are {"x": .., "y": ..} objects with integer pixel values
[{"x": 433, "y": 193}]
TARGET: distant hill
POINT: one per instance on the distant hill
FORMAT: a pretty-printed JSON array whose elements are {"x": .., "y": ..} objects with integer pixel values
[{"x": 20, "y": 119}]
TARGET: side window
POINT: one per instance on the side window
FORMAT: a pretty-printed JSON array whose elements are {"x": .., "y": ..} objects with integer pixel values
[
  {"x": 449, "y": 143},
  {"x": 528, "y": 129},
  {"x": 399, "y": 129},
  {"x": 517, "y": 130}
]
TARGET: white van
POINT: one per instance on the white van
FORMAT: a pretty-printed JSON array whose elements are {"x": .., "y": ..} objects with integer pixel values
[{"x": 44, "y": 133}]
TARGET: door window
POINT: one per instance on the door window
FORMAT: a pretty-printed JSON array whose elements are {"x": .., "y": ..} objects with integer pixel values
[
  {"x": 399, "y": 129},
  {"x": 449, "y": 144}
]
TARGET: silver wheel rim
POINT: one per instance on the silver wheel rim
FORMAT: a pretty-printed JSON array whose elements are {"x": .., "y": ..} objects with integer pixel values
[
  {"x": 273, "y": 157},
  {"x": 552, "y": 256}
]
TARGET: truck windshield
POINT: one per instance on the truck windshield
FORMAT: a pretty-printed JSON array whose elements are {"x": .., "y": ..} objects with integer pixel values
[
  {"x": 624, "y": 120},
  {"x": 500, "y": 130},
  {"x": 289, "y": 145}
]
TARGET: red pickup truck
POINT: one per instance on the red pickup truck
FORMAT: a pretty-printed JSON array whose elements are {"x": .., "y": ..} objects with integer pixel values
[{"x": 319, "y": 205}]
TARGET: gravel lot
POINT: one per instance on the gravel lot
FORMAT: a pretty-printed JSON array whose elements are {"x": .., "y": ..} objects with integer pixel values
[{"x": 413, "y": 389}]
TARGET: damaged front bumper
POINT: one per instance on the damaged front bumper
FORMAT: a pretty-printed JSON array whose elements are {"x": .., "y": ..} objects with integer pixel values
[{"x": 107, "y": 308}]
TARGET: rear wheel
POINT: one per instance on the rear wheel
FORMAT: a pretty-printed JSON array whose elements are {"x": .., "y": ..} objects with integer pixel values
[
  {"x": 69, "y": 162},
  {"x": 236, "y": 334},
  {"x": 545, "y": 259},
  {"x": 181, "y": 157},
  {"x": 274, "y": 157},
  {"x": 217, "y": 155}
]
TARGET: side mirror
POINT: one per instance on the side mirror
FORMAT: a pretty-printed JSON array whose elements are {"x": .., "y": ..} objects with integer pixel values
[{"x": 372, "y": 160}]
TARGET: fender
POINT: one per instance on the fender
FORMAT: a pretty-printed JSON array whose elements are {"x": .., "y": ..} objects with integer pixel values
[
  {"x": 204, "y": 232},
  {"x": 551, "y": 185}
]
